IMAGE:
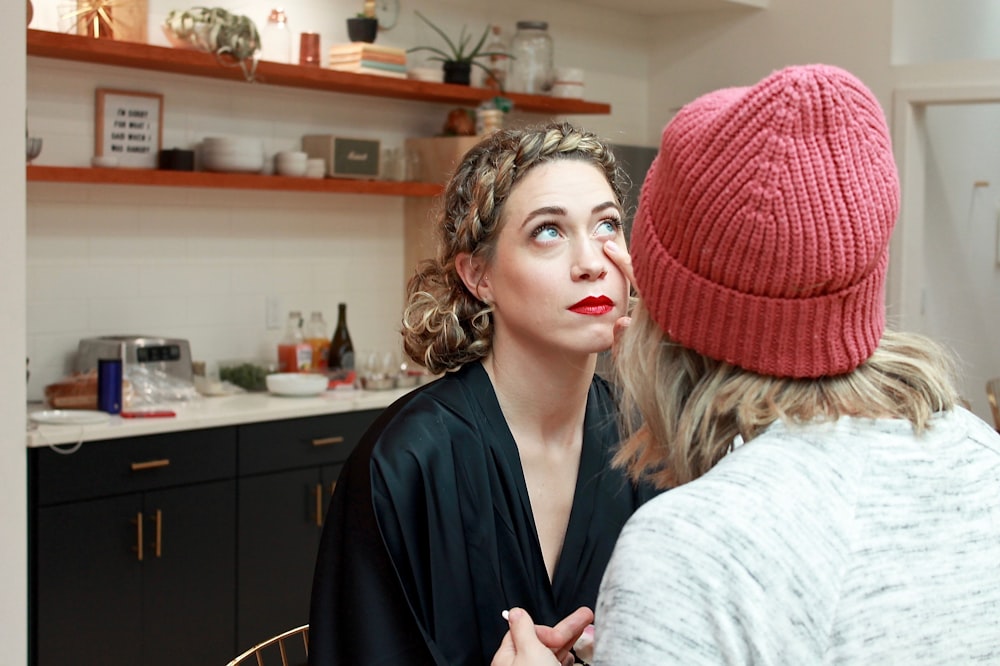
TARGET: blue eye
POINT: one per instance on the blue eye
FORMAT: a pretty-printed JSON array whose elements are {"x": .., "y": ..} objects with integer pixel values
[
  {"x": 609, "y": 227},
  {"x": 545, "y": 232}
]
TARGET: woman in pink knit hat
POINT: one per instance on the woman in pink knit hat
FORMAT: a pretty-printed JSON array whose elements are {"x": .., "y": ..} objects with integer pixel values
[{"x": 832, "y": 502}]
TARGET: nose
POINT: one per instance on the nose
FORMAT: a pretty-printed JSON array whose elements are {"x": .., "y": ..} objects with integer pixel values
[{"x": 590, "y": 262}]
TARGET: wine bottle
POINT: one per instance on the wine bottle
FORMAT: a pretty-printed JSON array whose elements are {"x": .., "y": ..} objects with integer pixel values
[{"x": 341, "y": 356}]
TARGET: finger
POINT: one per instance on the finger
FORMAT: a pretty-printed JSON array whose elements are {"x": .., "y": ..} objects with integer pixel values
[
  {"x": 621, "y": 259},
  {"x": 506, "y": 653},
  {"x": 561, "y": 637},
  {"x": 617, "y": 331},
  {"x": 522, "y": 629}
]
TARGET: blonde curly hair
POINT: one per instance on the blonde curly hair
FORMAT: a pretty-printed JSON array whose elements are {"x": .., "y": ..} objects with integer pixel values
[{"x": 444, "y": 325}]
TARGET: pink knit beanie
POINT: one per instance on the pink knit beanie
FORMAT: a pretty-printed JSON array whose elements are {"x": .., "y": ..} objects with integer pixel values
[{"x": 763, "y": 226}]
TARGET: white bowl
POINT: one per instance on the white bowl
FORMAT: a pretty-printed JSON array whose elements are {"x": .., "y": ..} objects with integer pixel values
[
  {"x": 315, "y": 167},
  {"x": 296, "y": 383}
]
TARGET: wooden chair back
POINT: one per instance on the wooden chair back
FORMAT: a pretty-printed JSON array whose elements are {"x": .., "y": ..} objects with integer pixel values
[{"x": 284, "y": 649}]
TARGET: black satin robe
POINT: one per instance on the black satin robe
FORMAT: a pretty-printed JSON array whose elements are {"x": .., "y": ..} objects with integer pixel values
[{"x": 430, "y": 533}]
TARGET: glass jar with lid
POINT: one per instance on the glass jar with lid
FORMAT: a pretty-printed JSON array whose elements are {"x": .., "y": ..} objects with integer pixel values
[{"x": 531, "y": 65}]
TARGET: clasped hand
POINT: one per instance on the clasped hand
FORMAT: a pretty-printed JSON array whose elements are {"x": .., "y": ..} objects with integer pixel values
[{"x": 528, "y": 644}]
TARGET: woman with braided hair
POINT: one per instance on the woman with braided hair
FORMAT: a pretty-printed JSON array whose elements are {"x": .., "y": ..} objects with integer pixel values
[{"x": 491, "y": 487}]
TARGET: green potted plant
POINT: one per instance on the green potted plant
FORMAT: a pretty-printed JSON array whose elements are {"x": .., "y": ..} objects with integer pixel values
[
  {"x": 217, "y": 31},
  {"x": 460, "y": 58},
  {"x": 363, "y": 27}
]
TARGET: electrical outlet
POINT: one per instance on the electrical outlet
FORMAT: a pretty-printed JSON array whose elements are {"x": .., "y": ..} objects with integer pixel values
[{"x": 272, "y": 312}]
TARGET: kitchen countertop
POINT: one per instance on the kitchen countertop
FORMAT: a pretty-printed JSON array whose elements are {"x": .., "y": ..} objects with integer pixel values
[{"x": 211, "y": 412}]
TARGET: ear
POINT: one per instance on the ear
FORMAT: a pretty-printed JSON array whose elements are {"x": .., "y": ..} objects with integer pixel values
[{"x": 472, "y": 270}]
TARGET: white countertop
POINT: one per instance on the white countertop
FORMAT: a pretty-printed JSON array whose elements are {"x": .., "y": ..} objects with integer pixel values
[{"x": 210, "y": 412}]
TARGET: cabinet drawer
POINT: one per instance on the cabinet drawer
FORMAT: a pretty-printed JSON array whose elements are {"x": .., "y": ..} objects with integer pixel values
[
  {"x": 318, "y": 440},
  {"x": 118, "y": 466}
]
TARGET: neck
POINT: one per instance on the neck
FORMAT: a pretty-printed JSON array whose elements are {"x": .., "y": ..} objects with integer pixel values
[{"x": 543, "y": 396}]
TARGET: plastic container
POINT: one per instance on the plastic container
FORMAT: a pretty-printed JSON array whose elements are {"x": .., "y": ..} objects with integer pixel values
[
  {"x": 294, "y": 353},
  {"x": 316, "y": 335},
  {"x": 531, "y": 65}
]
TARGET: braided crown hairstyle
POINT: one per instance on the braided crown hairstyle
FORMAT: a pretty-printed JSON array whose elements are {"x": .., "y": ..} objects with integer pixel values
[{"x": 444, "y": 325}]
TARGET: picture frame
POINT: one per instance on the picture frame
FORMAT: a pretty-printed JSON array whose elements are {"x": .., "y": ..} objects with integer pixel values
[{"x": 129, "y": 126}]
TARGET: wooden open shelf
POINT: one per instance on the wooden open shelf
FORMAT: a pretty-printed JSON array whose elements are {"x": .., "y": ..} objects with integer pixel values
[
  {"x": 234, "y": 181},
  {"x": 47, "y": 44}
]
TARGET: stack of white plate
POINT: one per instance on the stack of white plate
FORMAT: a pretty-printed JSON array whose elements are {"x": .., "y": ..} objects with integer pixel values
[
  {"x": 291, "y": 163},
  {"x": 232, "y": 154}
]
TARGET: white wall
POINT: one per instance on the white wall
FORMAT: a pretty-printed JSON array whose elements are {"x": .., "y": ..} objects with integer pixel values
[
  {"x": 201, "y": 264},
  {"x": 926, "y": 31},
  {"x": 13, "y": 478},
  {"x": 960, "y": 281}
]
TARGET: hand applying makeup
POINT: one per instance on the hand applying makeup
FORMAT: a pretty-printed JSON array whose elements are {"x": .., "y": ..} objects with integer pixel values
[{"x": 623, "y": 261}]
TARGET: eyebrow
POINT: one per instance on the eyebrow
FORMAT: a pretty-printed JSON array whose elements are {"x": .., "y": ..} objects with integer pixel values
[{"x": 559, "y": 210}]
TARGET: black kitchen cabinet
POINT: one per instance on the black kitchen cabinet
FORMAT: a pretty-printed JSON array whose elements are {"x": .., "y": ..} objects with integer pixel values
[
  {"x": 230, "y": 522},
  {"x": 287, "y": 473},
  {"x": 133, "y": 551}
]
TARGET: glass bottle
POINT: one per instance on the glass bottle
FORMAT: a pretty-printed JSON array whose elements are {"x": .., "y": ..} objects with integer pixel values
[
  {"x": 497, "y": 64},
  {"x": 276, "y": 38},
  {"x": 531, "y": 69},
  {"x": 341, "y": 350},
  {"x": 316, "y": 335},
  {"x": 294, "y": 353}
]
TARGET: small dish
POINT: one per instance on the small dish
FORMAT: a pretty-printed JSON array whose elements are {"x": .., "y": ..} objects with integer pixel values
[
  {"x": 68, "y": 417},
  {"x": 296, "y": 384}
]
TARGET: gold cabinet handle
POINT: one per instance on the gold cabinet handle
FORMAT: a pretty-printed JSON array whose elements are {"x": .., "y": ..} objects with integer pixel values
[
  {"x": 327, "y": 441},
  {"x": 158, "y": 528},
  {"x": 319, "y": 505},
  {"x": 150, "y": 464},
  {"x": 138, "y": 536}
]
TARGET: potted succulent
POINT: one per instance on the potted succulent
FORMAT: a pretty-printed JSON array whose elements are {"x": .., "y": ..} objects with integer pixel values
[
  {"x": 460, "y": 58},
  {"x": 364, "y": 26},
  {"x": 217, "y": 31}
]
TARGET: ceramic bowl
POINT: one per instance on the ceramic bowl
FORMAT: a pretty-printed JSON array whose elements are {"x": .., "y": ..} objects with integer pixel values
[
  {"x": 296, "y": 383},
  {"x": 315, "y": 167}
]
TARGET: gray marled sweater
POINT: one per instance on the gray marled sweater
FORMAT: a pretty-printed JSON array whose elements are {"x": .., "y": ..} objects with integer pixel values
[{"x": 842, "y": 543}]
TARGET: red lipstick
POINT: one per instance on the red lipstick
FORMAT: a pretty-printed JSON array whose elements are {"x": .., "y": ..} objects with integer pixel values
[{"x": 593, "y": 305}]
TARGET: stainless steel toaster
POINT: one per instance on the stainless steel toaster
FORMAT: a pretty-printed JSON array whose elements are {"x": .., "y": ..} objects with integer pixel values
[{"x": 170, "y": 355}]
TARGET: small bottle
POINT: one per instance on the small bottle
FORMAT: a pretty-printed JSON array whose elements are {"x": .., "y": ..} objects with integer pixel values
[
  {"x": 276, "y": 38},
  {"x": 294, "y": 353},
  {"x": 341, "y": 350},
  {"x": 316, "y": 335},
  {"x": 531, "y": 69},
  {"x": 497, "y": 64}
]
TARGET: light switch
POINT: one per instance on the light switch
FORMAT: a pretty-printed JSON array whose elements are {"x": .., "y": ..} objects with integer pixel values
[{"x": 272, "y": 312}]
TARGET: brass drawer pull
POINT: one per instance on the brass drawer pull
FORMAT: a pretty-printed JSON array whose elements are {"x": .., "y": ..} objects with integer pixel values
[
  {"x": 150, "y": 464},
  {"x": 158, "y": 543},
  {"x": 326, "y": 441},
  {"x": 138, "y": 540},
  {"x": 319, "y": 505}
]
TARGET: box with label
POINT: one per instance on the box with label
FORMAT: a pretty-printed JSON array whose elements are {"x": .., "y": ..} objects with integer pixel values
[{"x": 344, "y": 157}]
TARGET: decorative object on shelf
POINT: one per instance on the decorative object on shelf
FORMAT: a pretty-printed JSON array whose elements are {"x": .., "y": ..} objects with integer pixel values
[
  {"x": 531, "y": 70},
  {"x": 33, "y": 147},
  {"x": 365, "y": 58},
  {"x": 345, "y": 157},
  {"x": 387, "y": 13},
  {"x": 276, "y": 38},
  {"x": 362, "y": 28},
  {"x": 309, "y": 49},
  {"x": 123, "y": 20},
  {"x": 459, "y": 122},
  {"x": 31, "y": 12},
  {"x": 459, "y": 59},
  {"x": 215, "y": 30},
  {"x": 128, "y": 125}
]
